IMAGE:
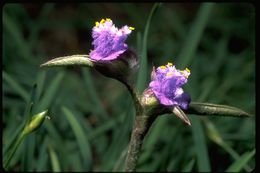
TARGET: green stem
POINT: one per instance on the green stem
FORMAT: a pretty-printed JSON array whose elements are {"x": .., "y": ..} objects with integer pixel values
[
  {"x": 142, "y": 121},
  {"x": 135, "y": 97},
  {"x": 141, "y": 127},
  {"x": 16, "y": 145}
]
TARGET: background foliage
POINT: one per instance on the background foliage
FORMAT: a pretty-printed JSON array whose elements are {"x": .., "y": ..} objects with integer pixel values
[{"x": 92, "y": 116}]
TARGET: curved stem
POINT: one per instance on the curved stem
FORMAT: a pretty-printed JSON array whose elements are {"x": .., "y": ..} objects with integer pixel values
[
  {"x": 135, "y": 97},
  {"x": 141, "y": 127}
]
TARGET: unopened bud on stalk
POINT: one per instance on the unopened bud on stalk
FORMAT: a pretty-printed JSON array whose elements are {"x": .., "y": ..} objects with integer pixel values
[{"x": 35, "y": 122}]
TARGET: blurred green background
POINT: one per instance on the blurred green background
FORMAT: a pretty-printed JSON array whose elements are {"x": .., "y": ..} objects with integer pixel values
[{"x": 92, "y": 116}]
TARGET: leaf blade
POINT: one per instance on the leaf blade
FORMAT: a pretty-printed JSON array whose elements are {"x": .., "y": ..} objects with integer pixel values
[
  {"x": 80, "y": 136},
  {"x": 240, "y": 163},
  {"x": 210, "y": 109},
  {"x": 82, "y": 60}
]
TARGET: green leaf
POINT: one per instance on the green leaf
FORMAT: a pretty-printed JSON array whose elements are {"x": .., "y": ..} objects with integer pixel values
[
  {"x": 188, "y": 167},
  {"x": 81, "y": 138},
  {"x": 194, "y": 35},
  {"x": 16, "y": 86},
  {"x": 88, "y": 81},
  {"x": 240, "y": 163},
  {"x": 209, "y": 109},
  {"x": 142, "y": 75},
  {"x": 216, "y": 137},
  {"x": 51, "y": 92},
  {"x": 81, "y": 60},
  {"x": 54, "y": 160},
  {"x": 40, "y": 83},
  {"x": 200, "y": 145}
]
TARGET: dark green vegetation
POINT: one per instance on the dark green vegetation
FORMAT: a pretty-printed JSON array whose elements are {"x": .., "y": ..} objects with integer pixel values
[{"x": 92, "y": 116}]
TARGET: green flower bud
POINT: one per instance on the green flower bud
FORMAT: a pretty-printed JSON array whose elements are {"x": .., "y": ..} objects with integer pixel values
[{"x": 35, "y": 122}]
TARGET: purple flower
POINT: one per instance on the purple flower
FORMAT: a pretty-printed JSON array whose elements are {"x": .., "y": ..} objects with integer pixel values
[
  {"x": 108, "y": 40},
  {"x": 167, "y": 84}
]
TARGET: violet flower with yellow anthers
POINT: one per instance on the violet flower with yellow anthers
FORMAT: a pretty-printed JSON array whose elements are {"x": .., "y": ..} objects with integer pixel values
[
  {"x": 109, "y": 41},
  {"x": 166, "y": 84}
]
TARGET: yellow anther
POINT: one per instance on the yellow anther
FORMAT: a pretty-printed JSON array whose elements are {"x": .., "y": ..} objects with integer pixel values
[
  {"x": 163, "y": 67},
  {"x": 187, "y": 70},
  {"x": 102, "y": 21},
  {"x": 97, "y": 23},
  {"x": 169, "y": 64},
  {"x": 131, "y": 28},
  {"x": 169, "y": 74},
  {"x": 108, "y": 19}
]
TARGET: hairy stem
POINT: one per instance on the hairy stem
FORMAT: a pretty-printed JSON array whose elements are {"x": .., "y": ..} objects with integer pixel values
[
  {"x": 141, "y": 127},
  {"x": 135, "y": 97}
]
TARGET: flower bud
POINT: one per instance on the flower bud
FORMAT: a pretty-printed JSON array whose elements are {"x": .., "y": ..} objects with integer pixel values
[{"x": 35, "y": 122}]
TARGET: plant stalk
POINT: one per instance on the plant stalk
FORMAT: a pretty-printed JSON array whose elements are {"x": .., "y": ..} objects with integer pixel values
[
  {"x": 140, "y": 129},
  {"x": 14, "y": 148}
]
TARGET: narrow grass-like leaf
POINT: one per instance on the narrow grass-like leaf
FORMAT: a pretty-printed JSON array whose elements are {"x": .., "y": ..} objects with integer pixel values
[
  {"x": 142, "y": 75},
  {"x": 54, "y": 160},
  {"x": 39, "y": 23},
  {"x": 40, "y": 82},
  {"x": 81, "y": 138},
  {"x": 209, "y": 109},
  {"x": 13, "y": 149},
  {"x": 41, "y": 165},
  {"x": 194, "y": 35},
  {"x": 13, "y": 137},
  {"x": 29, "y": 108},
  {"x": 10, "y": 25},
  {"x": 93, "y": 93},
  {"x": 120, "y": 140},
  {"x": 16, "y": 87},
  {"x": 81, "y": 60},
  {"x": 231, "y": 79},
  {"x": 18, "y": 132},
  {"x": 50, "y": 92},
  {"x": 215, "y": 136},
  {"x": 188, "y": 167},
  {"x": 108, "y": 125},
  {"x": 200, "y": 146},
  {"x": 120, "y": 161},
  {"x": 53, "y": 132},
  {"x": 28, "y": 160},
  {"x": 240, "y": 163}
]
